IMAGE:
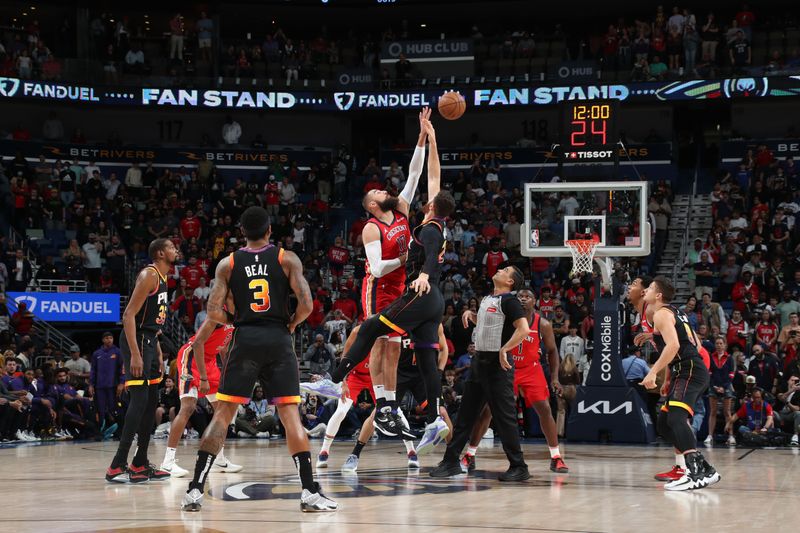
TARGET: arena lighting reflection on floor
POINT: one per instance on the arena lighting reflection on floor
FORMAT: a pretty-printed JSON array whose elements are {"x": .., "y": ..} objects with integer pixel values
[{"x": 374, "y": 482}]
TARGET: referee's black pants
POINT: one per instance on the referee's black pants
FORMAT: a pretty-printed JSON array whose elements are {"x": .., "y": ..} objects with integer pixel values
[{"x": 488, "y": 383}]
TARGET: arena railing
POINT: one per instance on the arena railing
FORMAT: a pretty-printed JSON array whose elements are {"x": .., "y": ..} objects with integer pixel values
[
  {"x": 61, "y": 285},
  {"x": 685, "y": 240}
]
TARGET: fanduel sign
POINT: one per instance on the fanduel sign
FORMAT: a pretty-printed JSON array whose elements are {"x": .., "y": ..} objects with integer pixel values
[{"x": 69, "y": 306}]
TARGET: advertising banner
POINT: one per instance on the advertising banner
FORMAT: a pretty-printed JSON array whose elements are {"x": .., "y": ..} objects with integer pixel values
[
  {"x": 322, "y": 100},
  {"x": 68, "y": 306}
]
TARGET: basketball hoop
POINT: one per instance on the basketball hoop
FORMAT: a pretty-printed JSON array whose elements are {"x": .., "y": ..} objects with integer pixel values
[{"x": 582, "y": 255}]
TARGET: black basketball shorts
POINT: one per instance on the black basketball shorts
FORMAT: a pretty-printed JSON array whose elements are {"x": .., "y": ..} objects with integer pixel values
[
  {"x": 151, "y": 373},
  {"x": 265, "y": 353}
]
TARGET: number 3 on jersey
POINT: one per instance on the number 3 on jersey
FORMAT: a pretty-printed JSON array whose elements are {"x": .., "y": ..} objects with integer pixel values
[{"x": 261, "y": 302}]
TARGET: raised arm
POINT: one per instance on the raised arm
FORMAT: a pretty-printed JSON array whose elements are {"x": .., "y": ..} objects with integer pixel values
[
  {"x": 415, "y": 168},
  {"x": 434, "y": 167},
  {"x": 293, "y": 269},
  {"x": 219, "y": 294}
]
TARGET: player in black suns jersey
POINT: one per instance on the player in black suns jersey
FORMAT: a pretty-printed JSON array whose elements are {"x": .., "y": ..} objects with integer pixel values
[
  {"x": 144, "y": 316},
  {"x": 677, "y": 343},
  {"x": 258, "y": 279}
]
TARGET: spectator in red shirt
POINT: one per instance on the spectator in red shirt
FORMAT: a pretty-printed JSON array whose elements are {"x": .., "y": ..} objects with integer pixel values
[
  {"x": 373, "y": 183},
  {"x": 738, "y": 331},
  {"x": 767, "y": 332},
  {"x": 494, "y": 258},
  {"x": 338, "y": 257},
  {"x": 192, "y": 273},
  {"x": 317, "y": 315},
  {"x": 187, "y": 305},
  {"x": 191, "y": 227},
  {"x": 744, "y": 292},
  {"x": 22, "y": 320},
  {"x": 355, "y": 231},
  {"x": 20, "y": 133},
  {"x": 347, "y": 305},
  {"x": 764, "y": 156},
  {"x": 272, "y": 197},
  {"x": 745, "y": 20}
]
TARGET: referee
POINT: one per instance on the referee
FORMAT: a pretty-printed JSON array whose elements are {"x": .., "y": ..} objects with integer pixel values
[{"x": 501, "y": 325}]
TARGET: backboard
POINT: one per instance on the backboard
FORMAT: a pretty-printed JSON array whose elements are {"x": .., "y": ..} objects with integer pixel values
[{"x": 613, "y": 213}]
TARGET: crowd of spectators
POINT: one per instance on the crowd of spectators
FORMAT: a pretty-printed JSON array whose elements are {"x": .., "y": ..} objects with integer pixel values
[
  {"x": 670, "y": 42},
  {"x": 746, "y": 301}
]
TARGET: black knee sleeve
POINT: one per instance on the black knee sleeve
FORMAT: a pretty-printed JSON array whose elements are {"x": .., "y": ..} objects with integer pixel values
[
  {"x": 678, "y": 421},
  {"x": 370, "y": 330},
  {"x": 427, "y": 363}
]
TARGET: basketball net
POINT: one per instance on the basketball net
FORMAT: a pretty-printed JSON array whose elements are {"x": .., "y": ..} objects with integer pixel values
[{"x": 582, "y": 255}]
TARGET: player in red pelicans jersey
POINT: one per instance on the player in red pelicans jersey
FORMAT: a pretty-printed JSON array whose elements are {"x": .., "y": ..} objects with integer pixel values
[
  {"x": 530, "y": 383},
  {"x": 198, "y": 377},
  {"x": 386, "y": 237}
]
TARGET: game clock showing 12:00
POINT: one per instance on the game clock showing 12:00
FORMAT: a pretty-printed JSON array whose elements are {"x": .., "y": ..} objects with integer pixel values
[{"x": 589, "y": 129}]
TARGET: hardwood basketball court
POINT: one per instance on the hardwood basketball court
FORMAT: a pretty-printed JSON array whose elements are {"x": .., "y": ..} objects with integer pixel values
[{"x": 609, "y": 489}]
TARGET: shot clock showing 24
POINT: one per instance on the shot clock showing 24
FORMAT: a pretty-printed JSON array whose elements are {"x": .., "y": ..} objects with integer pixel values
[{"x": 589, "y": 130}]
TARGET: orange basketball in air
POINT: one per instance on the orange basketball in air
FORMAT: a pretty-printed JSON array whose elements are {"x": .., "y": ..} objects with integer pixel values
[{"x": 452, "y": 105}]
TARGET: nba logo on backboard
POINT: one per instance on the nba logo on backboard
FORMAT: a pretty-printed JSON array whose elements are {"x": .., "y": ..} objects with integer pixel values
[{"x": 534, "y": 238}]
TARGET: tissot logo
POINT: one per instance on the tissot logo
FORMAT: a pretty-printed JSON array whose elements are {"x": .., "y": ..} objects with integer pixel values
[
  {"x": 344, "y": 101},
  {"x": 8, "y": 87}
]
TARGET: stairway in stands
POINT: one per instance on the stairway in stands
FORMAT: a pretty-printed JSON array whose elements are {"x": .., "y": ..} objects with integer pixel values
[{"x": 691, "y": 218}]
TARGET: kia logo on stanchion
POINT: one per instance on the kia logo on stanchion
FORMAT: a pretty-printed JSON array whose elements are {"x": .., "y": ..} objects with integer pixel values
[{"x": 8, "y": 87}]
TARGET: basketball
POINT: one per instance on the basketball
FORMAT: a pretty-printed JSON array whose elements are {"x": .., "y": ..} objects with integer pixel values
[{"x": 452, "y": 105}]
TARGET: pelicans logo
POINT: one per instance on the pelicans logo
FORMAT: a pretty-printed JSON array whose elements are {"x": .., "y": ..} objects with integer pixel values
[{"x": 747, "y": 87}]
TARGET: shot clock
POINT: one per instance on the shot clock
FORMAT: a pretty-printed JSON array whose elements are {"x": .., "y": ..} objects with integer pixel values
[{"x": 589, "y": 130}]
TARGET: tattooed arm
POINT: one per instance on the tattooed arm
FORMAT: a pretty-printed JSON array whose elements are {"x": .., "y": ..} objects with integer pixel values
[{"x": 219, "y": 294}]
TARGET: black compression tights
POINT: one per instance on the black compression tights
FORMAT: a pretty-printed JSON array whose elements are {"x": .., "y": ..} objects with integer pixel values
[
  {"x": 674, "y": 426},
  {"x": 427, "y": 362},
  {"x": 370, "y": 330},
  {"x": 141, "y": 399}
]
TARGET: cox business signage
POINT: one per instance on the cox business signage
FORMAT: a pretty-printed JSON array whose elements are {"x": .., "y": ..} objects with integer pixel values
[{"x": 68, "y": 306}]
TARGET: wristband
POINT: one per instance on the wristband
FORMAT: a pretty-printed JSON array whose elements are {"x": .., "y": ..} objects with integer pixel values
[{"x": 203, "y": 379}]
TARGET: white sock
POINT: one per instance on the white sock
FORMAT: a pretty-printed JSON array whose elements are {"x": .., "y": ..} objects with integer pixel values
[
  {"x": 335, "y": 421},
  {"x": 379, "y": 393},
  {"x": 389, "y": 395},
  {"x": 221, "y": 456},
  {"x": 472, "y": 450},
  {"x": 680, "y": 460},
  {"x": 409, "y": 445},
  {"x": 554, "y": 452},
  {"x": 326, "y": 444},
  {"x": 170, "y": 455}
]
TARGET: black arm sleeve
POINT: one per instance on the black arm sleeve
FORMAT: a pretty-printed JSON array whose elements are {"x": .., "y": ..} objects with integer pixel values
[{"x": 432, "y": 240}]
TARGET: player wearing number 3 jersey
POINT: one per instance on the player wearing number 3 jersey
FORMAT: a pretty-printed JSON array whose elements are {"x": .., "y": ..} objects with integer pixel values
[{"x": 257, "y": 279}]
